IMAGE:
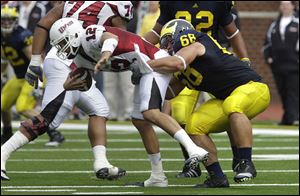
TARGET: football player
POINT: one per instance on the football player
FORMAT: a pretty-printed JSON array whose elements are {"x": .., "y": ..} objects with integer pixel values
[
  {"x": 56, "y": 70},
  {"x": 202, "y": 64},
  {"x": 16, "y": 45},
  {"x": 95, "y": 46},
  {"x": 206, "y": 17}
]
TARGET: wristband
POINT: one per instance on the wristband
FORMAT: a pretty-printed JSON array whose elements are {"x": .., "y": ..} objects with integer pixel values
[
  {"x": 245, "y": 59},
  {"x": 234, "y": 34},
  {"x": 36, "y": 60},
  {"x": 182, "y": 60},
  {"x": 110, "y": 45},
  {"x": 155, "y": 33}
]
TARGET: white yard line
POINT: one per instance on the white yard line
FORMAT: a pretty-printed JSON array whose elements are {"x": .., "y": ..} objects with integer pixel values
[
  {"x": 131, "y": 128},
  {"x": 143, "y": 149},
  {"x": 167, "y": 140},
  {"x": 39, "y": 190},
  {"x": 138, "y": 172},
  {"x": 108, "y": 193},
  {"x": 262, "y": 157},
  {"x": 115, "y": 186}
]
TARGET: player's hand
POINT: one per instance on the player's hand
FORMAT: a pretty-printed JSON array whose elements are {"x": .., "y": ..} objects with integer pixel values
[
  {"x": 74, "y": 83},
  {"x": 246, "y": 60},
  {"x": 103, "y": 60},
  {"x": 34, "y": 71}
]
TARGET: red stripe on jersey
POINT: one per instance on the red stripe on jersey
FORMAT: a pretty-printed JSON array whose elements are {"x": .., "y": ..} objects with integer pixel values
[
  {"x": 127, "y": 41},
  {"x": 89, "y": 15}
]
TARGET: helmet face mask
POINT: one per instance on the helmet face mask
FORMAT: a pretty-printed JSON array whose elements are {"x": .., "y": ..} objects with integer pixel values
[
  {"x": 9, "y": 19},
  {"x": 170, "y": 31},
  {"x": 65, "y": 35}
]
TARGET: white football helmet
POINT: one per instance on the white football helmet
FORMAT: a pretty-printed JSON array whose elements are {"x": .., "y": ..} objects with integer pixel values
[{"x": 65, "y": 35}]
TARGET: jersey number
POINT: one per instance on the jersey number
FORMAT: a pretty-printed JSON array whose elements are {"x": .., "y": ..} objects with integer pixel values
[
  {"x": 187, "y": 39},
  {"x": 89, "y": 15},
  {"x": 13, "y": 56},
  {"x": 202, "y": 26}
]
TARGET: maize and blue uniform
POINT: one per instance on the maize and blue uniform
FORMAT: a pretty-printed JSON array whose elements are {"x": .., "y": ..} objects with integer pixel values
[
  {"x": 17, "y": 90},
  {"x": 235, "y": 86},
  {"x": 205, "y": 16}
]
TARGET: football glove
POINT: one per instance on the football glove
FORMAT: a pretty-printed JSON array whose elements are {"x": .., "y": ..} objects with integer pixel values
[{"x": 34, "y": 71}]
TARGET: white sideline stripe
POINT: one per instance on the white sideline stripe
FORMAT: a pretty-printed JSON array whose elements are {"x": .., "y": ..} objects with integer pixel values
[
  {"x": 165, "y": 140},
  {"x": 115, "y": 186},
  {"x": 137, "y": 172},
  {"x": 263, "y": 157},
  {"x": 108, "y": 193},
  {"x": 43, "y": 190},
  {"x": 143, "y": 149},
  {"x": 131, "y": 128}
]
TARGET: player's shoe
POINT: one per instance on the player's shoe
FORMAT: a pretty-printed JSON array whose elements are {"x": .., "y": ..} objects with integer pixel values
[
  {"x": 194, "y": 160},
  {"x": 214, "y": 181},
  {"x": 4, "y": 175},
  {"x": 112, "y": 173},
  {"x": 245, "y": 171},
  {"x": 235, "y": 162},
  {"x": 151, "y": 182},
  {"x": 56, "y": 138},
  {"x": 5, "y": 137},
  {"x": 189, "y": 173}
]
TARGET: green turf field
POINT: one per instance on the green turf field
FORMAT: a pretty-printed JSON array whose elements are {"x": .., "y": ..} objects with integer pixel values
[{"x": 38, "y": 170}]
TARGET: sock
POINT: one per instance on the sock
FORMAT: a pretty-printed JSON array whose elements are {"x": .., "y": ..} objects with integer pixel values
[
  {"x": 7, "y": 130},
  {"x": 235, "y": 152},
  {"x": 156, "y": 165},
  {"x": 182, "y": 137},
  {"x": 245, "y": 153},
  {"x": 215, "y": 169},
  {"x": 16, "y": 141},
  {"x": 100, "y": 161}
]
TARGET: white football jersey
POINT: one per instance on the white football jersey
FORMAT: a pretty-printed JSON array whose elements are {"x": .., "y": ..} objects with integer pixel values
[
  {"x": 94, "y": 12},
  {"x": 131, "y": 50}
]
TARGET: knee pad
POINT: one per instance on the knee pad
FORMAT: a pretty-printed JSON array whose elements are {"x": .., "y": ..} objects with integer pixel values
[{"x": 35, "y": 127}]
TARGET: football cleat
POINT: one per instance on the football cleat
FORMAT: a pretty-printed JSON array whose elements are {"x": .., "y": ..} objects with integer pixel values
[
  {"x": 245, "y": 171},
  {"x": 194, "y": 160},
  {"x": 189, "y": 173},
  {"x": 151, "y": 182},
  {"x": 214, "y": 181},
  {"x": 56, "y": 138},
  {"x": 4, "y": 175},
  {"x": 112, "y": 173},
  {"x": 235, "y": 161}
]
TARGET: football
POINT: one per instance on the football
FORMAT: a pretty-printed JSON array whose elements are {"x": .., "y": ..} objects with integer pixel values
[{"x": 85, "y": 74}]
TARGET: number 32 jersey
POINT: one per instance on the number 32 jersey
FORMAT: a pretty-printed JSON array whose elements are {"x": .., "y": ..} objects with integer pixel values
[{"x": 205, "y": 16}]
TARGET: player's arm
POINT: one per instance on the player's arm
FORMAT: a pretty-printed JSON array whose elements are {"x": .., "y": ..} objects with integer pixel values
[
  {"x": 237, "y": 42},
  {"x": 153, "y": 36},
  {"x": 42, "y": 29},
  {"x": 179, "y": 61},
  {"x": 175, "y": 87},
  {"x": 119, "y": 22},
  {"x": 34, "y": 71},
  {"x": 109, "y": 43}
]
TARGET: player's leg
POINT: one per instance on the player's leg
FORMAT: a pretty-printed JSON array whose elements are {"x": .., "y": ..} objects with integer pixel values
[
  {"x": 182, "y": 107},
  {"x": 153, "y": 89},
  {"x": 93, "y": 103},
  {"x": 244, "y": 103},
  {"x": 9, "y": 95},
  {"x": 209, "y": 118},
  {"x": 29, "y": 130},
  {"x": 150, "y": 141}
]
